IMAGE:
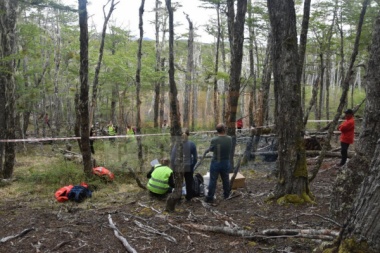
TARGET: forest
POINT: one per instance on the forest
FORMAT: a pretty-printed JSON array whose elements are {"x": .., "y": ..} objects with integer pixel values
[{"x": 287, "y": 68}]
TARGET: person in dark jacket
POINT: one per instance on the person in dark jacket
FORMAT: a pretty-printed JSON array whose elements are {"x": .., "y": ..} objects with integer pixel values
[
  {"x": 347, "y": 129},
  {"x": 161, "y": 179},
  {"x": 221, "y": 146},
  {"x": 190, "y": 158},
  {"x": 92, "y": 133}
]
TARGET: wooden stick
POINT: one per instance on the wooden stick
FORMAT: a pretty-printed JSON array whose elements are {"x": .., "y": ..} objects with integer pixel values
[
  {"x": 155, "y": 231},
  {"x": 24, "y": 232},
  {"x": 122, "y": 239}
]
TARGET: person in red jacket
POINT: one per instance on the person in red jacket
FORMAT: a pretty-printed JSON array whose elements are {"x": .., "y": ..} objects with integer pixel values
[
  {"x": 347, "y": 135},
  {"x": 239, "y": 124}
]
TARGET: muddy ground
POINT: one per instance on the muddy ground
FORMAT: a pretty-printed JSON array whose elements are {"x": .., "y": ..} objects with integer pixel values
[{"x": 44, "y": 225}]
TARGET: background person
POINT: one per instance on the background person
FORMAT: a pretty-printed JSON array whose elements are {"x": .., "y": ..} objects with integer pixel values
[
  {"x": 239, "y": 124},
  {"x": 347, "y": 129},
  {"x": 190, "y": 158},
  {"x": 164, "y": 126},
  {"x": 161, "y": 179},
  {"x": 111, "y": 131},
  {"x": 92, "y": 133},
  {"x": 220, "y": 163}
]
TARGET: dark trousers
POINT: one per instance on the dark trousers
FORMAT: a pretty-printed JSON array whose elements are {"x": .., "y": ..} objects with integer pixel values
[
  {"x": 92, "y": 147},
  {"x": 344, "y": 152},
  {"x": 189, "y": 180}
]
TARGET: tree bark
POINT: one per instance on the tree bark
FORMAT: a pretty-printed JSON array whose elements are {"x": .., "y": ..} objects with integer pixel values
[
  {"x": 362, "y": 231},
  {"x": 189, "y": 74},
  {"x": 84, "y": 89},
  {"x": 216, "y": 67},
  {"x": 175, "y": 128},
  {"x": 291, "y": 161},
  {"x": 236, "y": 39},
  {"x": 138, "y": 86},
  {"x": 8, "y": 21}
]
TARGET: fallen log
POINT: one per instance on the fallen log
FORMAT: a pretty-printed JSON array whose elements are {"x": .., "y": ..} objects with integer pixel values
[{"x": 323, "y": 234}]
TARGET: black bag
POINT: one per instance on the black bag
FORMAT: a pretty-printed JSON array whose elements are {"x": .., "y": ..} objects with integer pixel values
[
  {"x": 198, "y": 186},
  {"x": 79, "y": 193}
]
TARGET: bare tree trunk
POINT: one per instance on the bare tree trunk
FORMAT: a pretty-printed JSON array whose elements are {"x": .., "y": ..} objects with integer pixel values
[
  {"x": 252, "y": 76},
  {"x": 100, "y": 58},
  {"x": 321, "y": 89},
  {"x": 57, "y": 115},
  {"x": 265, "y": 82},
  {"x": 138, "y": 86},
  {"x": 314, "y": 95},
  {"x": 84, "y": 89},
  {"x": 189, "y": 74},
  {"x": 216, "y": 67},
  {"x": 291, "y": 161},
  {"x": 328, "y": 62},
  {"x": 8, "y": 22},
  {"x": 175, "y": 129},
  {"x": 236, "y": 39},
  {"x": 162, "y": 94},
  {"x": 157, "y": 83},
  {"x": 303, "y": 39}
]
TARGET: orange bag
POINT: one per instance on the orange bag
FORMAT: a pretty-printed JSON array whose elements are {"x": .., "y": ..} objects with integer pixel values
[
  {"x": 103, "y": 172},
  {"x": 62, "y": 194}
]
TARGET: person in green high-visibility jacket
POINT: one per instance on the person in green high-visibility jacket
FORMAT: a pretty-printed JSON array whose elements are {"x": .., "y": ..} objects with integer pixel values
[
  {"x": 161, "y": 179},
  {"x": 111, "y": 132}
]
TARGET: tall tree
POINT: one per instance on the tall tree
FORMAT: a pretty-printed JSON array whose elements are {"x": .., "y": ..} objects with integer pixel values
[
  {"x": 291, "y": 163},
  {"x": 236, "y": 39},
  {"x": 100, "y": 57},
  {"x": 252, "y": 74},
  {"x": 175, "y": 118},
  {"x": 189, "y": 74},
  {"x": 8, "y": 21},
  {"x": 138, "y": 84},
  {"x": 84, "y": 89}
]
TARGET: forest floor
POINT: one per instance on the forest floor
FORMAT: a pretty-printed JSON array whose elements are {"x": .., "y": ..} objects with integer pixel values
[{"x": 44, "y": 225}]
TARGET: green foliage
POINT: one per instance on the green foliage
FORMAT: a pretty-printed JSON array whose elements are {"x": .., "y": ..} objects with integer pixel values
[{"x": 55, "y": 174}]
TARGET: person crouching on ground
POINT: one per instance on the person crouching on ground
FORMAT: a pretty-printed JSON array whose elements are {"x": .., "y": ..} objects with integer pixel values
[
  {"x": 220, "y": 163},
  {"x": 190, "y": 158},
  {"x": 347, "y": 129},
  {"x": 161, "y": 179}
]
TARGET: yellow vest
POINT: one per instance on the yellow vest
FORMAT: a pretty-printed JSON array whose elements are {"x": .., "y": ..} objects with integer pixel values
[{"x": 159, "y": 181}]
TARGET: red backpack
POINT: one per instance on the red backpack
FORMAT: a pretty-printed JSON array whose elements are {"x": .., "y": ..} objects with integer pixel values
[
  {"x": 62, "y": 194},
  {"x": 103, "y": 172}
]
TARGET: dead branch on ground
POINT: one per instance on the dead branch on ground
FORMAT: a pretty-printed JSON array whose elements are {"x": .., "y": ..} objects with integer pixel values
[
  {"x": 322, "y": 234},
  {"x": 153, "y": 209},
  {"x": 155, "y": 231},
  {"x": 124, "y": 241},
  {"x": 24, "y": 232},
  {"x": 320, "y": 216}
]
